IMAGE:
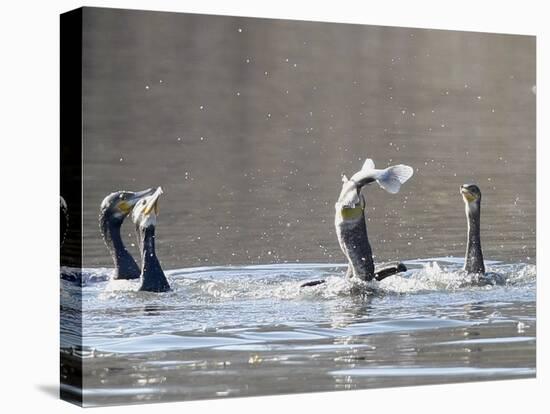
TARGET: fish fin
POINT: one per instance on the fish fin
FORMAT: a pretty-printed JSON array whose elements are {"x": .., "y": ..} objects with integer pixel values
[
  {"x": 368, "y": 164},
  {"x": 393, "y": 177},
  {"x": 366, "y": 174}
]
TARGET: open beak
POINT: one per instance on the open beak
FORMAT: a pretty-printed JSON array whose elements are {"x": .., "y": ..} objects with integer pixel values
[
  {"x": 125, "y": 206},
  {"x": 152, "y": 202},
  {"x": 140, "y": 194}
]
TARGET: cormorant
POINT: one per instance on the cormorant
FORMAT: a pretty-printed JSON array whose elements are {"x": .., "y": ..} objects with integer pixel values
[
  {"x": 350, "y": 223},
  {"x": 144, "y": 217},
  {"x": 351, "y": 226},
  {"x": 471, "y": 195},
  {"x": 63, "y": 220},
  {"x": 114, "y": 209}
]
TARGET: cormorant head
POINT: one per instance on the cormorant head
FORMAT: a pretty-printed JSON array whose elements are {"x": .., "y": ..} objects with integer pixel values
[
  {"x": 116, "y": 206},
  {"x": 349, "y": 194},
  {"x": 351, "y": 203},
  {"x": 470, "y": 193},
  {"x": 146, "y": 210}
]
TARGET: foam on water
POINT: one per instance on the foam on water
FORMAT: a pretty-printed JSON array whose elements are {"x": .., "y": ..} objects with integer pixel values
[
  {"x": 283, "y": 281},
  {"x": 206, "y": 299}
]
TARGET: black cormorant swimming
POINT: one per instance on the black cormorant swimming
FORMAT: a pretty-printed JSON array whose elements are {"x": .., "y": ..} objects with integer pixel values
[
  {"x": 63, "y": 220},
  {"x": 350, "y": 223},
  {"x": 114, "y": 209},
  {"x": 474, "y": 256},
  {"x": 144, "y": 217}
]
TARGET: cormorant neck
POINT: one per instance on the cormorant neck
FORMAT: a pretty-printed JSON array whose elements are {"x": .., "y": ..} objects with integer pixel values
[
  {"x": 63, "y": 224},
  {"x": 153, "y": 278},
  {"x": 125, "y": 265},
  {"x": 360, "y": 260},
  {"x": 369, "y": 261},
  {"x": 474, "y": 256}
]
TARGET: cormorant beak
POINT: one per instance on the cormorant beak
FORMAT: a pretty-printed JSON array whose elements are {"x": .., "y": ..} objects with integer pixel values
[
  {"x": 146, "y": 211},
  {"x": 152, "y": 202},
  {"x": 126, "y": 205}
]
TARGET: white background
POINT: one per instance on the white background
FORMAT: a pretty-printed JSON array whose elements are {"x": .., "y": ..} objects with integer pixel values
[{"x": 29, "y": 144}]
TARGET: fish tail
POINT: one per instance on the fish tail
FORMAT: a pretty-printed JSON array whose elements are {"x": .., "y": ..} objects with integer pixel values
[{"x": 393, "y": 177}]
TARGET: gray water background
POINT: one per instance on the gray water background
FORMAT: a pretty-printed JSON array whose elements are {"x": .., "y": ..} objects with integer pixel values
[{"x": 248, "y": 124}]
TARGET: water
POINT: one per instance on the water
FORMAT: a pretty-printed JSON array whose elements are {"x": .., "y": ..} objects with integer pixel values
[
  {"x": 251, "y": 330},
  {"x": 259, "y": 189},
  {"x": 248, "y": 132}
]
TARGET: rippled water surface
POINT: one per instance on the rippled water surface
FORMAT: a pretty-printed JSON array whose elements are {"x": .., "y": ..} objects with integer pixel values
[{"x": 238, "y": 331}]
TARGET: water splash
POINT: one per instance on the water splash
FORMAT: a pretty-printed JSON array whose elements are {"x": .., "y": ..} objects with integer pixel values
[{"x": 282, "y": 281}]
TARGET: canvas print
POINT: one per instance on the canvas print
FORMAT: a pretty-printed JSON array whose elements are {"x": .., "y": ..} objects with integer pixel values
[{"x": 258, "y": 206}]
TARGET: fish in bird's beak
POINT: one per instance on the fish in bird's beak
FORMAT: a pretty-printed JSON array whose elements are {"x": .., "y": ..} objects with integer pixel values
[
  {"x": 152, "y": 202},
  {"x": 133, "y": 198},
  {"x": 390, "y": 179},
  {"x": 146, "y": 210}
]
